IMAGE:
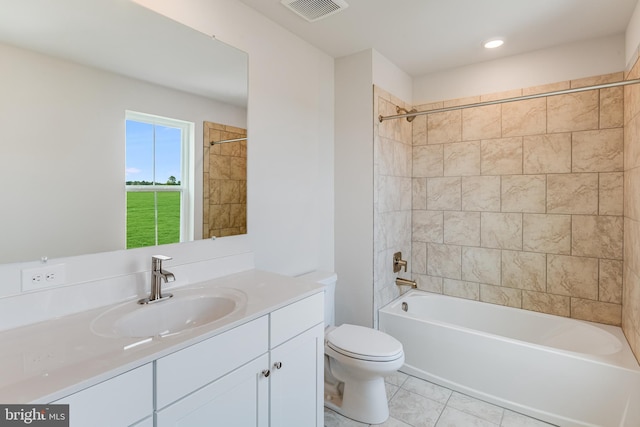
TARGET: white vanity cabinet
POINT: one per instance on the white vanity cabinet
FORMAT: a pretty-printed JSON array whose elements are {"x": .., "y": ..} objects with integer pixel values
[
  {"x": 123, "y": 400},
  {"x": 297, "y": 364},
  {"x": 268, "y": 372}
]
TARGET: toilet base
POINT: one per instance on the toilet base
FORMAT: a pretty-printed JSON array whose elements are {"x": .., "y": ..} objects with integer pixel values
[{"x": 364, "y": 401}]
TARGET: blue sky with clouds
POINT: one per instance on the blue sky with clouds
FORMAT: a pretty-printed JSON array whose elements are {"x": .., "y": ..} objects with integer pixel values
[{"x": 140, "y": 152}]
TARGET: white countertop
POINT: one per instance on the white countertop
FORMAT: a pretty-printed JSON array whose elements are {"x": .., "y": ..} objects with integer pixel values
[{"x": 46, "y": 361}]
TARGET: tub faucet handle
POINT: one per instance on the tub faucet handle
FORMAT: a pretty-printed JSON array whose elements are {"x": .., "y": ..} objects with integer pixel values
[{"x": 398, "y": 262}]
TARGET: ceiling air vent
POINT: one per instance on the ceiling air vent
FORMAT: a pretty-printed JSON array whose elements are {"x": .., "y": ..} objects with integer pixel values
[{"x": 313, "y": 10}]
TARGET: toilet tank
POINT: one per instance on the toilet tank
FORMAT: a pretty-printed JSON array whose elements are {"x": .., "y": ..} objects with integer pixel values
[{"x": 328, "y": 279}]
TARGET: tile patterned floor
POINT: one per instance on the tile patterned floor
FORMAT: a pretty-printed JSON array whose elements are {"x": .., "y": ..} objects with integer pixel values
[{"x": 417, "y": 403}]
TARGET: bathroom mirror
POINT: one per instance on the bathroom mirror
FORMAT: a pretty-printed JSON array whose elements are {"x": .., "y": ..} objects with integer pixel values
[{"x": 71, "y": 71}]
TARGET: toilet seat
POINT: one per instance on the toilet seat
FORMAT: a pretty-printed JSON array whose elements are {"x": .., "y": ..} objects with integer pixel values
[{"x": 363, "y": 343}]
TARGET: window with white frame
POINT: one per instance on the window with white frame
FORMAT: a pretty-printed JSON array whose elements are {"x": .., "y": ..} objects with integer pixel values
[{"x": 159, "y": 180}]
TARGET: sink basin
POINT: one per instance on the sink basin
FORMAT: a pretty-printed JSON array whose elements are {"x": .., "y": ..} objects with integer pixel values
[{"x": 188, "y": 309}]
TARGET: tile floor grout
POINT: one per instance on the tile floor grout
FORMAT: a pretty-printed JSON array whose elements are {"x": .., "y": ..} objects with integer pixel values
[{"x": 422, "y": 404}]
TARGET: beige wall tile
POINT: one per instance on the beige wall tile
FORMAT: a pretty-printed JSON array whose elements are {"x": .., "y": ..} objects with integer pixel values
[
  {"x": 611, "y": 193},
  {"x": 632, "y": 143},
  {"x": 427, "y": 226},
  {"x": 631, "y": 245},
  {"x": 524, "y": 270},
  {"x": 572, "y": 193},
  {"x": 546, "y": 233},
  {"x": 419, "y": 193},
  {"x": 220, "y": 167},
  {"x": 481, "y": 265},
  {"x": 526, "y": 193},
  {"x": 501, "y": 156},
  {"x": 481, "y": 193},
  {"x": 462, "y": 158},
  {"x": 500, "y": 295},
  {"x": 572, "y": 276},
  {"x": 461, "y": 289},
  {"x": 481, "y": 122},
  {"x": 524, "y": 117},
  {"x": 219, "y": 216},
  {"x": 594, "y": 311},
  {"x": 418, "y": 257},
  {"x": 461, "y": 101},
  {"x": 552, "y": 87},
  {"x": 610, "y": 281},
  {"x": 573, "y": 112},
  {"x": 444, "y": 261},
  {"x": 597, "y": 236},
  {"x": 392, "y": 157},
  {"x": 598, "y": 80},
  {"x": 428, "y": 283},
  {"x": 215, "y": 188},
  {"x": 462, "y": 228},
  {"x": 550, "y": 153},
  {"x": 632, "y": 193},
  {"x": 631, "y": 102},
  {"x": 501, "y": 230},
  {"x": 230, "y": 192},
  {"x": 443, "y": 194},
  {"x": 428, "y": 161},
  {"x": 501, "y": 95},
  {"x": 444, "y": 127},
  {"x": 598, "y": 151},
  {"x": 419, "y": 129},
  {"x": 611, "y": 107},
  {"x": 546, "y": 303}
]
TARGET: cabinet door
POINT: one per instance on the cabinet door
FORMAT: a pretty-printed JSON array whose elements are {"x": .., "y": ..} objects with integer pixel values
[
  {"x": 297, "y": 380},
  {"x": 122, "y": 400},
  {"x": 239, "y": 399}
]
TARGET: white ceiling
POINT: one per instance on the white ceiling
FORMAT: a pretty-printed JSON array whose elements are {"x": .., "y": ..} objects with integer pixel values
[{"x": 423, "y": 36}]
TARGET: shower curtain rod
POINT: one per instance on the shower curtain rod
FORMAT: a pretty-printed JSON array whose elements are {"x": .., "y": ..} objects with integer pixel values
[
  {"x": 410, "y": 115},
  {"x": 224, "y": 141}
]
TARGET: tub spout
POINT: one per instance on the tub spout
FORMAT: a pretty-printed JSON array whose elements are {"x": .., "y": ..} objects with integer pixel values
[{"x": 406, "y": 282}]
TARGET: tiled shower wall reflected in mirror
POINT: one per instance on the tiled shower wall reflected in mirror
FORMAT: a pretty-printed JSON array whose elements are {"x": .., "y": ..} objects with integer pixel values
[{"x": 224, "y": 180}]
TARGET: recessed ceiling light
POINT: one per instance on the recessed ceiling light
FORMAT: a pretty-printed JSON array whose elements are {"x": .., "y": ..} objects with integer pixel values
[{"x": 493, "y": 43}]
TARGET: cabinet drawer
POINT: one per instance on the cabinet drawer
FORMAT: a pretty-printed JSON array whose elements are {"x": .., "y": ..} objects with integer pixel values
[
  {"x": 119, "y": 401},
  {"x": 182, "y": 372},
  {"x": 296, "y": 318}
]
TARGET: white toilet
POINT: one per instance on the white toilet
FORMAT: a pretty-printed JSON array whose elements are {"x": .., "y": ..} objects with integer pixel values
[{"x": 356, "y": 361}]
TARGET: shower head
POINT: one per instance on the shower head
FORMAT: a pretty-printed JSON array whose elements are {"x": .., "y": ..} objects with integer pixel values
[{"x": 401, "y": 110}]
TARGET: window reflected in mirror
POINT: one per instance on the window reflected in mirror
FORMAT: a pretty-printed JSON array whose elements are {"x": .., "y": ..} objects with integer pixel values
[
  {"x": 224, "y": 180},
  {"x": 157, "y": 179}
]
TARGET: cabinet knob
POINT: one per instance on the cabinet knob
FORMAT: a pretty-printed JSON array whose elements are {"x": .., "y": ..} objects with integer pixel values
[
  {"x": 266, "y": 373},
  {"x": 277, "y": 365}
]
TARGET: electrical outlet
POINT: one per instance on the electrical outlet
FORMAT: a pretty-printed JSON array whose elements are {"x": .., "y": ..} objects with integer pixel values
[{"x": 43, "y": 277}]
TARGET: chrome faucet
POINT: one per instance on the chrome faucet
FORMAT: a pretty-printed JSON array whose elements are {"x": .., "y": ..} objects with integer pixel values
[{"x": 157, "y": 276}]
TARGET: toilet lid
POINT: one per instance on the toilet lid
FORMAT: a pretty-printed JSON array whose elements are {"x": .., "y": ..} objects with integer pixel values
[{"x": 364, "y": 343}]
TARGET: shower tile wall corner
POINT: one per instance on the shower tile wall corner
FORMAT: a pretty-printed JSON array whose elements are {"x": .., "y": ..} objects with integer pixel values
[
  {"x": 521, "y": 203},
  {"x": 392, "y": 196},
  {"x": 631, "y": 289}
]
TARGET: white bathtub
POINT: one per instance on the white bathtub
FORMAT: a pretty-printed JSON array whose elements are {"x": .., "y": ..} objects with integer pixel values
[{"x": 562, "y": 371}]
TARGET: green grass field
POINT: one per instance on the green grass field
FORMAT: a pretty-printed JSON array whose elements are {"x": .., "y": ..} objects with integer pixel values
[{"x": 141, "y": 230}]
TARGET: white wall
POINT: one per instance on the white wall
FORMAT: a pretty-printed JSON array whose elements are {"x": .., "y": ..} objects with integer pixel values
[
  {"x": 290, "y": 189},
  {"x": 354, "y": 188},
  {"x": 388, "y": 76},
  {"x": 558, "y": 63}
]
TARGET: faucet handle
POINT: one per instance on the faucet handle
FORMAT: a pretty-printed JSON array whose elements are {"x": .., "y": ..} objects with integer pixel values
[
  {"x": 161, "y": 257},
  {"x": 398, "y": 262}
]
